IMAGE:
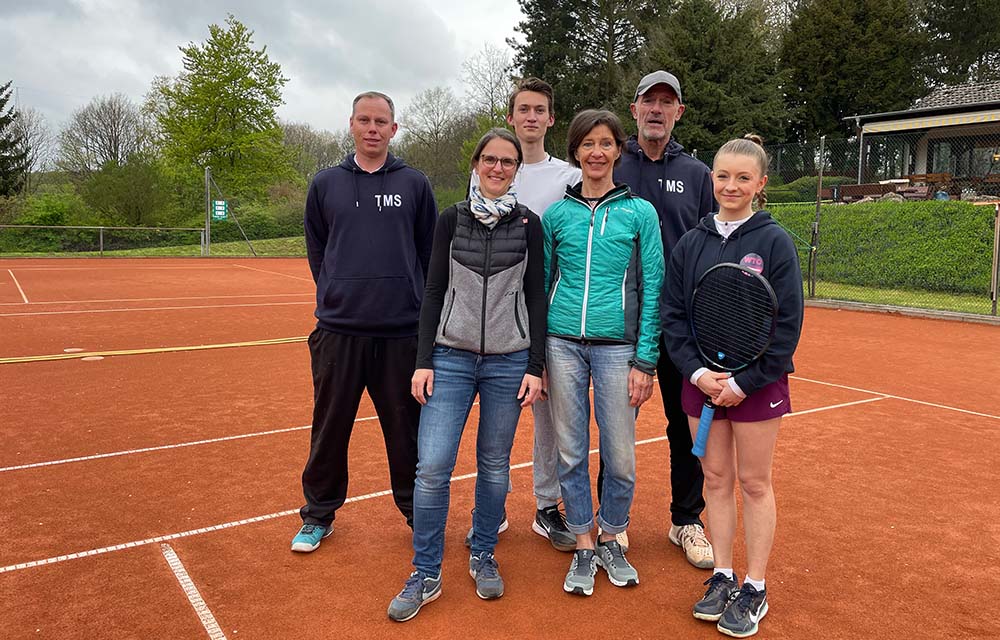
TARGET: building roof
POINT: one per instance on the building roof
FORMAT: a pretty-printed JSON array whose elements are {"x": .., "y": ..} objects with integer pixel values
[
  {"x": 961, "y": 95},
  {"x": 954, "y": 99}
]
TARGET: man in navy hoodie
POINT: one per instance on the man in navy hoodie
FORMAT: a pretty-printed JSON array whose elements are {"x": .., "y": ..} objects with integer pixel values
[
  {"x": 656, "y": 168},
  {"x": 369, "y": 225}
]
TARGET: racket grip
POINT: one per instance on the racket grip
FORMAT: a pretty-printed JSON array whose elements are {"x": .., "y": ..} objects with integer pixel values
[{"x": 704, "y": 424}]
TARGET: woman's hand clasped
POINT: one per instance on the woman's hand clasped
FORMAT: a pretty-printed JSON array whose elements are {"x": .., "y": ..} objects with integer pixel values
[
  {"x": 422, "y": 385},
  {"x": 531, "y": 389}
]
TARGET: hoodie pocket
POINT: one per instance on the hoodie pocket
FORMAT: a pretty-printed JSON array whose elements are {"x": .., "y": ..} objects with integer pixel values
[{"x": 371, "y": 302}]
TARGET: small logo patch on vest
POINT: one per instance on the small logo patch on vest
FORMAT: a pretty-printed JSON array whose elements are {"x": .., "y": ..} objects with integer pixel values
[{"x": 753, "y": 262}]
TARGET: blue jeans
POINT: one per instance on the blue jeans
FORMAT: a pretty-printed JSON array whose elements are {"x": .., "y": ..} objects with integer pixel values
[
  {"x": 571, "y": 366},
  {"x": 458, "y": 376}
]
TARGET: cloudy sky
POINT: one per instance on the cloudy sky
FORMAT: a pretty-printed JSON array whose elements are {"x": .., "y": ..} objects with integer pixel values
[{"x": 62, "y": 53}]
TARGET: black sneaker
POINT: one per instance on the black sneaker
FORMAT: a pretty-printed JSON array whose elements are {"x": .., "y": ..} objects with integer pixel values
[
  {"x": 504, "y": 525},
  {"x": 716, "y": 598},
  {"x": 550, "y": 523},
  {"x": 746, "y": 609}
]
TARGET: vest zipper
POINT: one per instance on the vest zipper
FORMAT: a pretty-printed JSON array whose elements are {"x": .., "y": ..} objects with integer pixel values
[
  {"x": 517, "y": 315},
  {"x": 486, "y": 280}
]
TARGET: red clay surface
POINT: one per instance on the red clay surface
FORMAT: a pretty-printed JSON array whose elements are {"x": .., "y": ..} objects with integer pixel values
[{"x": 887, "y": 508}]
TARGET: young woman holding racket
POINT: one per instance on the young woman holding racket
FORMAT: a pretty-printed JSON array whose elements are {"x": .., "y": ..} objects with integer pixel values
[{"x": 760, "y": 303}]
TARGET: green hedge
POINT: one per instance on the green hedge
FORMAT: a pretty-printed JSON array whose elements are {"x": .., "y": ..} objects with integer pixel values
[
  {"x": 803, "y": 189},
  {"x": 942, "y": 246}
]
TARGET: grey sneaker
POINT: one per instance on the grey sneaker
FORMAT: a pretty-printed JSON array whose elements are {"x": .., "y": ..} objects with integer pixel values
[
  {"x": 550, "y": 523},
  {"x": 504, "y": 525},
  {"x": 612, "y": 558},
  {"x": 583, "y": 568},
  {"x": 716, "y": 598},
  {"x": 418, "y": 591},
  {"x": 484, "y": 570}
]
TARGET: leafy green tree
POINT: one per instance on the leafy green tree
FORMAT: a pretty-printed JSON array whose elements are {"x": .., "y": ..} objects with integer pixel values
[
  {"x": 220, "y": 112},
  {"x": 964, "y": 40},
  {"x": 847, "y": 57},
  {"x": 729, "y": 75},
  {"x": 13, "y": 155}
]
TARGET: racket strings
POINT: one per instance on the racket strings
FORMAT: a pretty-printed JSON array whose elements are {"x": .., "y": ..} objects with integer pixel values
[{"x": 732, "y": 316}]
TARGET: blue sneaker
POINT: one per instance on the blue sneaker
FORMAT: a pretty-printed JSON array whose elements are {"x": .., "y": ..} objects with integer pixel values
[
  {"x": 746, "y": 609},
  {"x": 309, "y": 537},
  {"x": 484, "y": 570},
  {"x": 418, "y": 591}
]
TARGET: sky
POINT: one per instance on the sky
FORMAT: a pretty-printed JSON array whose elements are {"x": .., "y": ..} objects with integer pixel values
[{"x": 61, "y": 54}]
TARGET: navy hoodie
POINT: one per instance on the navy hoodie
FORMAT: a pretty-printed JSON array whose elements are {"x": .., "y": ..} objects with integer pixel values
[
  {"x": 760, "y": 243},
  {"x": 368, "y": 239},
  {"x": 679, "y": 186}
]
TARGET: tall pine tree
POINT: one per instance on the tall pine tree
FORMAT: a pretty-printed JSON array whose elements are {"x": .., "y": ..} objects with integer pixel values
[
  {"x": 727, "y": 69},
  {"x": 13, "y": 155},
  {"x": 582, "y": 47},
  {"x": 964, "y": 40},
  {"x": 848, "y": 57}
]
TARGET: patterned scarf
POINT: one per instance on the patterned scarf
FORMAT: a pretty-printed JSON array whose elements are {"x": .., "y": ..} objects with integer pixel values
[{"x": 489, "y": 211}]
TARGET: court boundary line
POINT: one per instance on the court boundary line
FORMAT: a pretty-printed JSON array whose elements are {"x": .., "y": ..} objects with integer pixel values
[
  {"x": 894, "y": 397},
  {"x": 134, "y": 352},
  {"x": 280, "y": 514},
  {"x": 18, "y": 285},
  {"x": 113, "y": 454},
  {"x": 276, "y": 273},
  {"x": 103, "y": 300},
  {"x": 193, "y": 595},
  {"x": 212, "y": 306}
]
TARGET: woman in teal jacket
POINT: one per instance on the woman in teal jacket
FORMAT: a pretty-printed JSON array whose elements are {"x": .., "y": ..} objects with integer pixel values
[{"x": 604, "y": 269}]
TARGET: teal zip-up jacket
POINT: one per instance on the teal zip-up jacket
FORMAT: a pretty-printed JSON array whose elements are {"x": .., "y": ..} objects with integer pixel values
[{"x": 603, "y": 271}]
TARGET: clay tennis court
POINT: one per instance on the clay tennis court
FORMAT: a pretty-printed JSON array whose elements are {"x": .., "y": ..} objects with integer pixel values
[{"x": 149, "y": 482}]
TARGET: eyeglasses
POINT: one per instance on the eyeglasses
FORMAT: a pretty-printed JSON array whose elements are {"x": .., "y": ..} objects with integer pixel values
[{"x": 506, "y": 163}]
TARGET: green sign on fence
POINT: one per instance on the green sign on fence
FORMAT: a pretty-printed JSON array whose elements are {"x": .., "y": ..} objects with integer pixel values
[{"x": 220, "y": 209}]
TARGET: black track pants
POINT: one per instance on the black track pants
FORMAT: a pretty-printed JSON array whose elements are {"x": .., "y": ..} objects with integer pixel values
[{"x": 343, "y": 367}]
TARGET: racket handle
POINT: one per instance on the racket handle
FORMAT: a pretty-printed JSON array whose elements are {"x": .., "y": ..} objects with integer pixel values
[{"x": 704, "y": 424}]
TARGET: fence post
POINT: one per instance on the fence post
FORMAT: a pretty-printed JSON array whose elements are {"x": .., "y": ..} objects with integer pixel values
[
  {"x": 995, "y": 276},
  {"x": 814, "y": 241},
  {"x": 102, "y": 241},
  {"x": 208, "y": 212}
]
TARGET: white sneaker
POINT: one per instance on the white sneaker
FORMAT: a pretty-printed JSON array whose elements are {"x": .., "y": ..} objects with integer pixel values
[
  {"x": 691, "y": 538},
  {"x": 620, "y": 538}
]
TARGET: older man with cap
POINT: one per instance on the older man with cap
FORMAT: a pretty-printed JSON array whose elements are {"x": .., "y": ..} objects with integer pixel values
[{"x": 656, "y": 167}]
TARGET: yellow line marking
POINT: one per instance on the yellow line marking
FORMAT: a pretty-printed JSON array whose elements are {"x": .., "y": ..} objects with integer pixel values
[{"x": 134, "y": 352}]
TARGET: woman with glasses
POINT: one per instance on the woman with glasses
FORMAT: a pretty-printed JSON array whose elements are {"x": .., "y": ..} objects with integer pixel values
[{"x": 482, "y": 331}]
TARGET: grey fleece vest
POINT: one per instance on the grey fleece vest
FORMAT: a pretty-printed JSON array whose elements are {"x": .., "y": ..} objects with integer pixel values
[{"x": 484, "y": 307}]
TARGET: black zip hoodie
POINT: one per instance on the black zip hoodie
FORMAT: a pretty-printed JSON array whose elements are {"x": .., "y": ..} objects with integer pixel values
[
  {"x": 368, "y": 240},
  {"x": 679, "y": 186},
  {"x": 759, "y": 243}
]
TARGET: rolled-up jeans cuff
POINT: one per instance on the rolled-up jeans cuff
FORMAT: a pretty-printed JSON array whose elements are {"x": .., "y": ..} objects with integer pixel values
[
  {"x": 610, "y": 528},
  {"x": 577, "y": 529}
]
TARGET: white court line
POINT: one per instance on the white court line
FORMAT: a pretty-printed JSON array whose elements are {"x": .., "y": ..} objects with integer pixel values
[
  {"x": 101, "y": 300},
  {"x": 206, "y": 306},
  {"x": 126, "y": 268},
  {"x": 193, "y": 596},
  {"x": 889, "y": 395},
  {"x": 18, "y": 284},
  {"x": 276, "y": 273},
  {"x": 281, "y": 514},
  {"x": 165, "y": 447}
]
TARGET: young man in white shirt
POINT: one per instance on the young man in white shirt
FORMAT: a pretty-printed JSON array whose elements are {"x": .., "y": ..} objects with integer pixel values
[{"x": 540, "y": 182}]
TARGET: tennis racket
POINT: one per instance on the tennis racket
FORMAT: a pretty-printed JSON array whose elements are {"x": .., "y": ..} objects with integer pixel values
[{"x": 733, "y": 316}]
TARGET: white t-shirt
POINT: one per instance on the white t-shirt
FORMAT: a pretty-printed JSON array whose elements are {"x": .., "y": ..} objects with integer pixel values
[{"x": 541, "y": 184}]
